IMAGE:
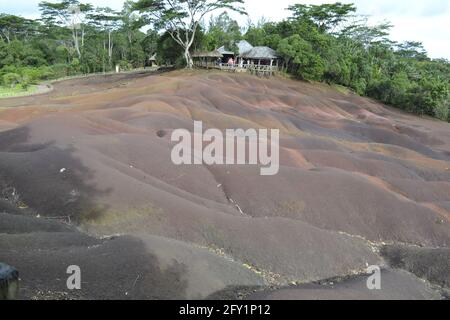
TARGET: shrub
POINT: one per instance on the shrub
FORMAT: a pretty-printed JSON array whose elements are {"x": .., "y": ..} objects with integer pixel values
[
  {"x": 34, "y": 75},
  {"x": 60, "y": 70},
  {"x": 11, "y": 79},
  {"x": 442, "y": 110}
]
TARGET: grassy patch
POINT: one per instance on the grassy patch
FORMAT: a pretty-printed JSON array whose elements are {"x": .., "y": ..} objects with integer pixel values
[
  {"x": 14, "y": 92},
  {"x": 342, "y": 89}
]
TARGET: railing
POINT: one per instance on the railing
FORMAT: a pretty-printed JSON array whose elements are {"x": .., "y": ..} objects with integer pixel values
[
  {"x": 228, "y": 66},
  {"x": 258, "y": 70},
  {"x": 206, "y": 64},
  {"x": 262, "y": 70}
]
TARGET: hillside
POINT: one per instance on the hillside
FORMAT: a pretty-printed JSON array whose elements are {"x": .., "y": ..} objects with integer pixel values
[{"x": 355, "y": 176}]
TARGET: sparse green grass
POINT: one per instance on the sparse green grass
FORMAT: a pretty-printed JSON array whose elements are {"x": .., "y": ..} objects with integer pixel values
[
  {"x": 14, "y": 92},
  {"x": 342, "y": 89}
]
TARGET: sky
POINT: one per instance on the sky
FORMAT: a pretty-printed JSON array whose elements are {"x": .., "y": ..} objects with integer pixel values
[{"x": 427, "y": 21}]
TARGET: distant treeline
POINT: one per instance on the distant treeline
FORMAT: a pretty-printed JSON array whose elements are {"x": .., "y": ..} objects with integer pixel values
[
  {"x": 71, "y": 38},
  {"x": 328, "y": 43}
]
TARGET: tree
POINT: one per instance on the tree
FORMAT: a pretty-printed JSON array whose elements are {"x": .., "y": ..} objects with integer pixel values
[
  {"x": 299, "y": 53},
  {"x": 181, "y": 18},
  {"x": 170, "y": 52},
  {"x": 326, "y": 16},
  {"x": 131, "y": 22},
  {"x": 412, "y": 49},
  {"x": 363, "y": 34},
  {"x": 222, "y": 30},
  {"x": 108, "y": 20},
  {"x": 13, "y": 27},
  {"x": 69, "y": 14},
  {"x": 150, "y": 42}
]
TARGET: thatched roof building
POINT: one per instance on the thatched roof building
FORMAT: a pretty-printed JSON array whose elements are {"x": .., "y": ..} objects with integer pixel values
[
  {"x": 206, "y": 59},
  {"x": 225, "y": 52},
  {"x": 207, "y": 54},
  {"x": 244, "y": 46},
  {"x": 260, "y": 53},
  {"x": 248, "y": 57}
]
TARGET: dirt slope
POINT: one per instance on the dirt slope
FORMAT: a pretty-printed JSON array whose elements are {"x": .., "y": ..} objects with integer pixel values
[{"x": 96, "y": 153}]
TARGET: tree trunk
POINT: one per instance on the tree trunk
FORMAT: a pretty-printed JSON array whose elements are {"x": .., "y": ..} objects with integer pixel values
[
  {"x": 110, "y": 48},
  {"x": 187, "y": 56},
  {"x": 130, "y": 43},
  {"x": 82, "y": 38},
  {"x": 76, "y": 42},
  {"x": 6, "y": 35}
]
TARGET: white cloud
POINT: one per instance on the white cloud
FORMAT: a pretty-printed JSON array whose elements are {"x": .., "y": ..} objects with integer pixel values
[{"x": 425, "y": 21}]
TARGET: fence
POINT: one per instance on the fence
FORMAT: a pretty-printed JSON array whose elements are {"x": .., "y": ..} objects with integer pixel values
[{"x": 258, "y": 70}]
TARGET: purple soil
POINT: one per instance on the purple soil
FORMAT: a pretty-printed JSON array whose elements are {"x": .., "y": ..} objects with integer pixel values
[{"x": 352, "y": 171}]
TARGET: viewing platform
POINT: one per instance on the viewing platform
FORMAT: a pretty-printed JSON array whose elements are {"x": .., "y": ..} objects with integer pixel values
[
  {"x": 259, "y": 61},
  {"x": 258, "y": 70}
]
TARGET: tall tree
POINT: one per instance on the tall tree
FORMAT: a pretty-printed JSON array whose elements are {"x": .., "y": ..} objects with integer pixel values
[
  {"x": 325, "y": 16},
  {"x": 108, "y": 20},
  {"x": 222, "y": 30},
  {"x": 181, "y": 18},
  {"x": 14, "y": 27},
  {"x": 69, "y": 14},
  {"x": 131, "y": 22},
  {"x": 412, "y": 49}
]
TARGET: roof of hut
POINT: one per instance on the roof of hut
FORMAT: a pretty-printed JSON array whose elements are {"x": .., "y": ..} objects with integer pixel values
[
  {"x": 244, "y": 46},
  {"x": 260, "y": 53},
  {"x": 153, "y": 57},
  {"x": 224, "y": 51},
  {"x": 206, "y": 54}
]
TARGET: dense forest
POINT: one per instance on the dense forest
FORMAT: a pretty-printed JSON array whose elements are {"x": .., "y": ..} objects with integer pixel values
[{"x": 328, "y": 43}]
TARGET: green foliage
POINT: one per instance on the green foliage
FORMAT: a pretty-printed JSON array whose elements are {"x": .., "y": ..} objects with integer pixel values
[
  {"x": 60, "y": 70},
  {"x": 11, "y": 79},
  {"x": 222, "y": 31},
  {"x": 299, "y": 52},
  {"x": 319, "y": 43},
  {"x": 181, "y": 19},
  {"x": 325, "y": 17},
  {"x": 442, "y": 110}
]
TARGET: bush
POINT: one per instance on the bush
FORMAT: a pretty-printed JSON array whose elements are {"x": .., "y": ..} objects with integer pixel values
[
  {"x": 442, "y": 110},
  {"x": 125, "y": 65},
  {"x": 34, "y": 75},
  {"x": 60, "y": 70},
  {"x": 180, "y": 62},
  {"x": 308, "y": 64},
  {"x": 11, "y": 79}
]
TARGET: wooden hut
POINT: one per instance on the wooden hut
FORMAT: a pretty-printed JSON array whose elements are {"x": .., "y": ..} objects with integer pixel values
[
  {"x": 152, "y": 61},
  {"x": 226, "y": 54},
  {"x": 204, "y": 59},
  {"x": 262, "y": 61},
  {"x": 260, "y": 56}
]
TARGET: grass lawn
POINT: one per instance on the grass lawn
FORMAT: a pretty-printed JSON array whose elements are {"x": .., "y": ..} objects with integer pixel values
[{"x": 13, "y": 92}]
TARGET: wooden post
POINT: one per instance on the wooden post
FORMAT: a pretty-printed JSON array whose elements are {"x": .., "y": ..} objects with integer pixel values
[{"x": 9, "y": 282}]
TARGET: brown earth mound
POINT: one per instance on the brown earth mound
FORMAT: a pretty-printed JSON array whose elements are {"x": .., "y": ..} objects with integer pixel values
[{"x": 95, "y": 153}]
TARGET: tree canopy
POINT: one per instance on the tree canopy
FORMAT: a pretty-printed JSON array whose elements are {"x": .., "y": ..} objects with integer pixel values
[{"x": 181, "y": 18}]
